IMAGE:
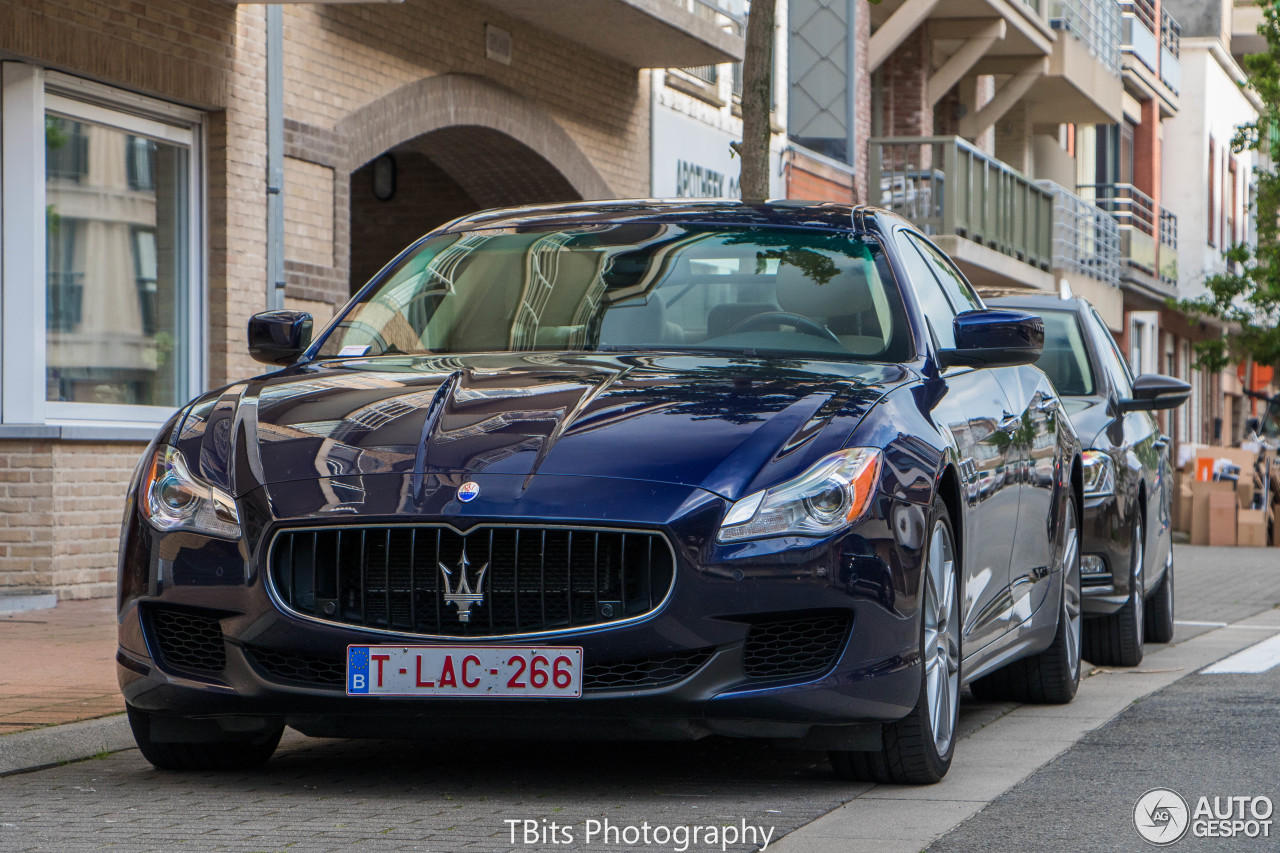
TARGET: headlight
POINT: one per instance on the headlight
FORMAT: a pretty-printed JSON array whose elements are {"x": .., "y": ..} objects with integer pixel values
[
  {"x": 1099, "y": 474},
  {"x": 832, "y": 494},
  {"x": 171, "y": 498}
]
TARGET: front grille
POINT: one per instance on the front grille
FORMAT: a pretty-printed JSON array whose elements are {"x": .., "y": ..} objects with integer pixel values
[
  {"x": 794, "y": 647},
  {"x": 297, "y": 668},
  {"x": 326, "y": 672},
  {"x": 188, "y": 641},
  {"x": 653, "y": 671},
  {"x": 518, "y": 580}
]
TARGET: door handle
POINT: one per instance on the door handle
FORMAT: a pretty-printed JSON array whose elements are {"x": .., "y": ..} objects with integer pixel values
[
  {"x": 1161, "y": 443},
  {"x": 1009, "y": 423},
  {"x": 1047, "y": 405}
]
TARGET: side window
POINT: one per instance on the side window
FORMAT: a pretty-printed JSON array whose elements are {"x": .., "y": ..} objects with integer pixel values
[
  {"x": 957, "y": 288},
  {"x": 933, "y": 301},
  {"x": 1112, "y": 363}
]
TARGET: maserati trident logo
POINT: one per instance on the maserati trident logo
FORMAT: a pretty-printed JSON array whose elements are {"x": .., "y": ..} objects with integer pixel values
[{"x": 461, "y": 595}]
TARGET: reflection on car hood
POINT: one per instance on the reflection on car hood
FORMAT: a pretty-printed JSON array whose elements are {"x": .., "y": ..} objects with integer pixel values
[
  {"x": 722, "y": 424},
  {"x": 1089, "y": 416}
]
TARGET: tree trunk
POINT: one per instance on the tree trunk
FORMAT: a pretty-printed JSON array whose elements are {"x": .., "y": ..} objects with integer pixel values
[{"x": 757, "y": 101}]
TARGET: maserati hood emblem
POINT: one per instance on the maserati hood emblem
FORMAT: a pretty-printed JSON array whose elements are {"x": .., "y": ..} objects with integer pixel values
[{"x": 460, "y": 593}]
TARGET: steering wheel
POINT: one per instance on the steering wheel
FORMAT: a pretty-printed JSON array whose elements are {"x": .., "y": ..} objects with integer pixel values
[{"x": 802, "y": 324}]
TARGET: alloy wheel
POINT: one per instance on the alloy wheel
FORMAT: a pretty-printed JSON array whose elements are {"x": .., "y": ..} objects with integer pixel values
[
  {"x": 941, "y": 638},
  {"x": 1071, "y": 609}
]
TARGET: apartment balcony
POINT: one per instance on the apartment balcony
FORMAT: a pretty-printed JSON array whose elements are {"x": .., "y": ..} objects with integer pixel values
[
  {"x": 1151, "y": 51},
  {"x": 994, "y": 222},
  {"x": 1148, "y": 233},
  {"x": 1086, "y": 239},
  {"x": 640, "y": 33},
  {"x": 1082, "y": 83},
  {"x": 1168, "y": 254},
  {"x": 1170, "y": 52}
]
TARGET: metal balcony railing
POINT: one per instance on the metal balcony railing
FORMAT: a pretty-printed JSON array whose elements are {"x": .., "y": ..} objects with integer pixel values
[
  {"x": 708, "y": 74},
  {"x": 1138, "y": 32},
  {"x": 1168, "y": 257},
  {"x": 1170, "y": 51},
  {"x": 717, "y": 13},
  {"x": 1086, "y": 239},
  {"x": 947, "y": 186},
  {"x": 1135, "y": 213},
  {"x": 1094, "y": 22}
]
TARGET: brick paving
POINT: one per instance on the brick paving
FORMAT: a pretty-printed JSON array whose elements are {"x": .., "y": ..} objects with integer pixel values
[{"x": 58, "y": 665}]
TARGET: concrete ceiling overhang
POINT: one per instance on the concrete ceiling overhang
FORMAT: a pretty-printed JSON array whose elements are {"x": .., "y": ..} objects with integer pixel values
[{"x": 639, "y": 33}]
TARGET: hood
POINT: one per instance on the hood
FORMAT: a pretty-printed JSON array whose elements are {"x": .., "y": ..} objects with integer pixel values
[
  {"x": 1089, "y": 416},
  {"x": 721, "y": 424}
]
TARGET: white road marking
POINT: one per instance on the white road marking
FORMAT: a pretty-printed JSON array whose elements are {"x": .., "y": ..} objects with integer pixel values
[
  {"x": 1225, "y": 625},
  {"x": 1203, "y": 624},
  {"x": 1259, "y": 657}
]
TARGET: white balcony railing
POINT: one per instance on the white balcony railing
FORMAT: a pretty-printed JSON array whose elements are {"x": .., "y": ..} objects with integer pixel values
[
  {"x": 1138, "y": 32},
  {"x": 1170, "y": 51},
  {"x": 947, "y": 186},
  {"x": 1094, "y": 22},
  {"x": 1086, "y": 239}
]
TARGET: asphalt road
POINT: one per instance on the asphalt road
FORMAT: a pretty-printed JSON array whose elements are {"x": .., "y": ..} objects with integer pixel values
[{"x": 1201, "y": 735}]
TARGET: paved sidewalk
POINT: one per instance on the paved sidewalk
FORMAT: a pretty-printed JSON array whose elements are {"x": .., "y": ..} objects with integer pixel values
[{"x": 57, "y": 665}]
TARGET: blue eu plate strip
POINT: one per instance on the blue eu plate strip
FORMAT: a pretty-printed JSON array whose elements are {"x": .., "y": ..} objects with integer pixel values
[{"x": 358, "y": 670}]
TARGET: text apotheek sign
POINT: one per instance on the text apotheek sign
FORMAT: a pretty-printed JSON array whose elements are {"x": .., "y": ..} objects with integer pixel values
[{"x": 692, "y": 159}]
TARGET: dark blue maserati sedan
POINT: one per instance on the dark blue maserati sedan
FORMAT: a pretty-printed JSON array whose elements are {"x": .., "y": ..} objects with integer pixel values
[{"x": 627, "y": 469}]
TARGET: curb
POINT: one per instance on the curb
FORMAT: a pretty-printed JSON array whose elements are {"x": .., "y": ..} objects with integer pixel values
[{"x": 37, "y": 749}]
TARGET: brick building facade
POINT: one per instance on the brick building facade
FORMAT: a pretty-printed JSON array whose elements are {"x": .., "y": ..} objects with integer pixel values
[{"x": 163, "y": 106}]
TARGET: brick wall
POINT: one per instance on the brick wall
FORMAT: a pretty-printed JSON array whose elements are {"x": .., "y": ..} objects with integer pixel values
[
  {"x": 26, "y": 516},
  {"x": 814, "y": 180},
  {"x": 90, "y": 480},
  {"x": 907, "y": 111},
  {"x": 426, "y": 197}
]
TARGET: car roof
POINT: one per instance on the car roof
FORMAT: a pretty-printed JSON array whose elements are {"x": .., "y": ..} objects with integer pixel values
[
  {"x": 781, "y": 212},
  {"x": 1041, "y": 302}
]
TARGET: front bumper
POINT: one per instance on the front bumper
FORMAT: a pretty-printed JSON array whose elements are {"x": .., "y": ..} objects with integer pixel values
[
  {"x": 720, "y": 596},
  {"x": 1105, "y": 534}
]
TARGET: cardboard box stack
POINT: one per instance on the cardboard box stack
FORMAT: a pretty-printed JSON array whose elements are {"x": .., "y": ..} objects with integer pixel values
[{"x": 1219, "y": 496}]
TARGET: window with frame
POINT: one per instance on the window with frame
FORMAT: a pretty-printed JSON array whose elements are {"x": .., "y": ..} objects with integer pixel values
[{"x": 118, "y": 178}]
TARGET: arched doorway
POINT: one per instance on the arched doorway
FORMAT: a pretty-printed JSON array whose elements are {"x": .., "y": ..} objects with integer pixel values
[
  {"x": 437, "y": 177},
  {"x": 460, "y": 143}
]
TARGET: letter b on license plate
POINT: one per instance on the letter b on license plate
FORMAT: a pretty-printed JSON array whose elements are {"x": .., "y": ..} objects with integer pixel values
[{"x": 472, "y": 671}]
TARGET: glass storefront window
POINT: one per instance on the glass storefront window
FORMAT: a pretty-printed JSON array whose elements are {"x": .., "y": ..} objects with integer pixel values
[{"x": 118, "y": 265}]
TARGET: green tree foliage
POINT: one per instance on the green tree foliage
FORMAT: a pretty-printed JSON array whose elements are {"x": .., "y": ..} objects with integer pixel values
[{"x": 1247, "y": 297}]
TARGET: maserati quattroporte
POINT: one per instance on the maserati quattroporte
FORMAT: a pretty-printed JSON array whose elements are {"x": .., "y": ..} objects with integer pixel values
[{"x": 623, "y": 469}]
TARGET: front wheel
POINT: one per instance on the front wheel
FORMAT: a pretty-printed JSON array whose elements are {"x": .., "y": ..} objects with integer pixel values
[
  {"x": 1053, "y": 676},
  {"x": 1117, "y": 638},
  {"x": 917, "y": 749},
  {"x": 242, "y": 754}
]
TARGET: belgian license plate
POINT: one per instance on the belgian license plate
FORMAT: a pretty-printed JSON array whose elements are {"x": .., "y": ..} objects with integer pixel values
[{"x": 473, "y": 671}]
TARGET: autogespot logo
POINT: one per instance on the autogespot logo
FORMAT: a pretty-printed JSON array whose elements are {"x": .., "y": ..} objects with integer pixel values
[{"x": 1161, "y": 816}]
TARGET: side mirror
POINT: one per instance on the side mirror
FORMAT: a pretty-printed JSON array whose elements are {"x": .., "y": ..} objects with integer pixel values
[
  {"x": 995, "y": 337},
  {"x": 279, "y": 337},
  {"x": 1153, "y": 391}
]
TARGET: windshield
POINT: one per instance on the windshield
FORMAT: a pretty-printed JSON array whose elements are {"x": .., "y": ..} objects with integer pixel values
[
  {"x": 1065, "y": 359},
  {"x": 634, "y": 287}
]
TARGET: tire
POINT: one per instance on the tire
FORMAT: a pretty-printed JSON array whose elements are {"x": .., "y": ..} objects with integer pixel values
[
  {"x": 1160, "y": 606},
  {"x": 1053, "y": 676},
  {"x": 917, "y": 749},
  {"x": 221, "y": 755},
  {"x": 1116, "y": 639}
]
